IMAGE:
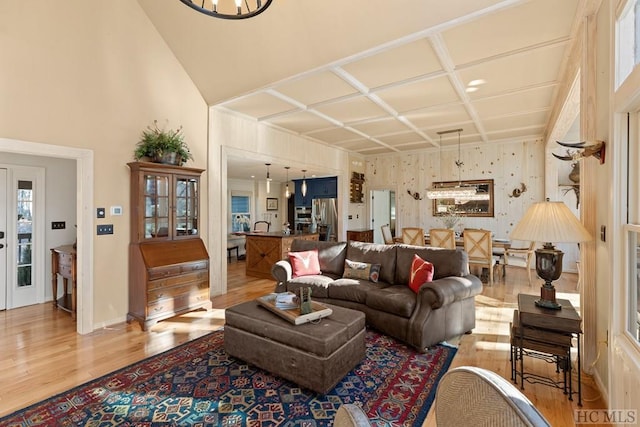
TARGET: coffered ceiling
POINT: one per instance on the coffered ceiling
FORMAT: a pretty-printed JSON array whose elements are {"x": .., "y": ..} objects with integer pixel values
[{"x": 375, "y": 77}]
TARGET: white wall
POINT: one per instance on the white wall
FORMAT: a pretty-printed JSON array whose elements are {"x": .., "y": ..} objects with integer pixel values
[
  {"x": 508, "y": 164},
  {"x": 93, "y": 75}
]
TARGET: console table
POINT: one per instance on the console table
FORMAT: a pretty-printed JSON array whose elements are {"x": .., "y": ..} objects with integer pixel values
[
  {"x": 63, "y": 262},
  {"x": 360, "y": 235},
  {"x": 546, "y": 334}
]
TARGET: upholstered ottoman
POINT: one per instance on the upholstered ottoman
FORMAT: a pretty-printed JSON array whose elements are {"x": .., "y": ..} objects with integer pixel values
[{"x": 313, "y": 355}]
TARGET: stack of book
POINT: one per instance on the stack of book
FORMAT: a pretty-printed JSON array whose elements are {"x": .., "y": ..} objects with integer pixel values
[{"x": 287, "y": 301}]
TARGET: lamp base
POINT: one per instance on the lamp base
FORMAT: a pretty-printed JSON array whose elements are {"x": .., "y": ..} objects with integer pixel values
[
  {"x": 548, "y": 298},
  {"x": 543, "y": 303}
]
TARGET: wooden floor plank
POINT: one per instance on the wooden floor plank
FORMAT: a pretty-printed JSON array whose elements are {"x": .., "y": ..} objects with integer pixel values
[{"x": 42, "y": 355}]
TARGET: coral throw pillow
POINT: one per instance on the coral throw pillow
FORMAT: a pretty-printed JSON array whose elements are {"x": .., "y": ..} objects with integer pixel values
[
  {"x": 421, "y": 272},
  {"x": 304, "y": 263},
  {"x": 361, "y": 270}
]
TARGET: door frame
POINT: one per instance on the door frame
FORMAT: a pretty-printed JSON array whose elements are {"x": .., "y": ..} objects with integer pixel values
[
  {"x": 4, "y": 254},
  {"x": 376, "y": 229},
  {"x": 84, "y": 210}
]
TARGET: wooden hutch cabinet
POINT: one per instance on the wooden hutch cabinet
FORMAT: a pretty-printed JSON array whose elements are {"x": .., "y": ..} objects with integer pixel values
[{"x": 168, "y": 262}]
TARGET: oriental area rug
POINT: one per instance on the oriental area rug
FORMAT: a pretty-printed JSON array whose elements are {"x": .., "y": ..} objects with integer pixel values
[{"x": 198, "y": 384}]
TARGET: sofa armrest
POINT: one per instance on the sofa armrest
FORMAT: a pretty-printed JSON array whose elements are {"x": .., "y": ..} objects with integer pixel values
[
  {"x": 447, "y": 290},
  {"x": 282, "y": 272}
]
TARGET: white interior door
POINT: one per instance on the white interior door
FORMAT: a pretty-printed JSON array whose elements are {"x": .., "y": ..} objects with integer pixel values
[
  {"x": 380, "y": 212},
  {"x": 25, "y": 241},
  {"x": 3, "y": 239}
]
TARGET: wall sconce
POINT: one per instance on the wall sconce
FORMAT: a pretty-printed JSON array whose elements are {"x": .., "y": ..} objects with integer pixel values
[
  {"x": 517, "y": 192},
  {"x": 416, "y": 195}
]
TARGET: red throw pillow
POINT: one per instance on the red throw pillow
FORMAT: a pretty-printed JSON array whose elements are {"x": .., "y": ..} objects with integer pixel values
[
  {"x": 421, "y": 272},
  {"x": 304, "y": 263}
]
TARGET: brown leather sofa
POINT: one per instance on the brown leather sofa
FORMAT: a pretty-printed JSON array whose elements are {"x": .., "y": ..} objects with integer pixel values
[{"x": 442, "y": 309}]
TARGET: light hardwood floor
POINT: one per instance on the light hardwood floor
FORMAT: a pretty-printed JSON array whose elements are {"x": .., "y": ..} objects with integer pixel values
[{"x": 41, "y": 354}]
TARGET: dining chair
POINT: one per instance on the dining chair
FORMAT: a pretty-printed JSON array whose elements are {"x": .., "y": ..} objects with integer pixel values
[
  {"x": 442, "y": 238},
  {"x": 324, "y": 232},
  {"x": 413, "y": 236},
  {"x": 520, "y": 257},
  {"x": 261, "y": 226},
  {"x": 478, "y": 245},
  {"x": 386, "y": 234}
]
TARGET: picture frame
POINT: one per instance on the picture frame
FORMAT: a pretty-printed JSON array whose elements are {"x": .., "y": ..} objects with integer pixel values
[
  {"x": 272, "y": 204},
  {"x": 472, "y": 208}
]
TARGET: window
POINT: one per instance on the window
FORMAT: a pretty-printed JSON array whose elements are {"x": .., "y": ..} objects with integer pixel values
[
  {"x": 627, "y": 41},
  {"x": 628, "y": 129},
  {"x": 632, "y": 228},
  {"x": 240, "y": 213},
  {"x": 25, "y": 232}
]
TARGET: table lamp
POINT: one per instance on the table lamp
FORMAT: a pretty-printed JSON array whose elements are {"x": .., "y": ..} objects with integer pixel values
[{"x": 549, "y": 222}]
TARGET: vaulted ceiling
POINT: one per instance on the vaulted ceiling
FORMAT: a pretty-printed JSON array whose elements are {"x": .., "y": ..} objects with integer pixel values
[{"x": 374, "y": 76}]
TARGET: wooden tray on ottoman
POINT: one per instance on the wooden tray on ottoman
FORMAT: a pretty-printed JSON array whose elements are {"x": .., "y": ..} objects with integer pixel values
[{"x": 293, "y": 315}]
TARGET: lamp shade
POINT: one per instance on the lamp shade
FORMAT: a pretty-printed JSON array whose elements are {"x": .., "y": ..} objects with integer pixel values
[{"x": 550, "y": 222}]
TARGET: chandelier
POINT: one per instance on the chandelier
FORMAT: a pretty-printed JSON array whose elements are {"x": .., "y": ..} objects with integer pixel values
[
  {"x": 229, "y": 9},
  {"x": 458, "y": 192}
]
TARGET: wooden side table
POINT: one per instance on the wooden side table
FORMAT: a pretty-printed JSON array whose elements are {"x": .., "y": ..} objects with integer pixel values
[
  {"x": 546, "y": 334},
  {"x": 63, "y": 262},
  {"x": 361, "y": 235}
]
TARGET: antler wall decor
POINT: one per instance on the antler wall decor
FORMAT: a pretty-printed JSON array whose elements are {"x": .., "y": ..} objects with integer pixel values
[
  {"x": 596, "y": 150},
  {"x": 415, "y": 195}
]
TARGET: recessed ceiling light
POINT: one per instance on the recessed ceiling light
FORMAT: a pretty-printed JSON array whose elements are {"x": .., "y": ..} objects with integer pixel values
[
  {"x": 471, "y": 89},
  {"x": 477, "y": 82}
]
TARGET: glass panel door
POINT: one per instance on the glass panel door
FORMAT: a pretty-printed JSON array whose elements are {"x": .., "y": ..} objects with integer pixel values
[
  {"x": 156, "y": 206},
  {"x": 186, "y": 206}
]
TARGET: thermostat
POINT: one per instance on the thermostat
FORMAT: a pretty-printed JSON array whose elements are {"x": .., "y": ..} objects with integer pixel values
[{"x": 116, "y": 210}]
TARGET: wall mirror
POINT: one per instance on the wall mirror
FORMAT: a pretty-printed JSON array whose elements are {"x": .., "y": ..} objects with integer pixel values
[{"x": 479, "y": 205}]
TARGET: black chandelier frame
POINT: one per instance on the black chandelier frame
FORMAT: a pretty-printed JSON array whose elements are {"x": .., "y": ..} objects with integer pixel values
[{"x": 240, "y": 15}]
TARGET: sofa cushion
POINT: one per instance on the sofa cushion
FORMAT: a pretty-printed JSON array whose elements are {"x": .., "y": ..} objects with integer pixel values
[
  {"x": 304, "y": 263},
  {"x": 354, "y": 290},
  {"x": 398, "y": 300},
  {"x": 331, "y": 255},
  {"x": 373, "y": 253},
  {"x": 421, "y": 272},
  {"x": 446, "y": 262},
  {"x": 361, "y": 270}
]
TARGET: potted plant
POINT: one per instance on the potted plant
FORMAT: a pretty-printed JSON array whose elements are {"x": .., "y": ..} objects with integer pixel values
[{"x": 162, "y": 146}]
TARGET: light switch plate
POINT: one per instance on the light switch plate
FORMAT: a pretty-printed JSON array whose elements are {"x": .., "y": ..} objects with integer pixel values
[
  {"x": 100, "y": 212},
  {"x": 105, "y": 229},
  {"x": 116, "y": 210}
]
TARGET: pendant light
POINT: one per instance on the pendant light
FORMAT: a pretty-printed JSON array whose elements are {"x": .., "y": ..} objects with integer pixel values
[
  {"x": 268, "y": 178},
  {"x": 303, "y": 187},
  {"x": 459, "y": 191},
  {"x": 287, "y": 193}
]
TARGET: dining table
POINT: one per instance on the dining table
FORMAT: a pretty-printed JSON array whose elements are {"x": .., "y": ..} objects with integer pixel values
[{"x": 496, "y": 243}]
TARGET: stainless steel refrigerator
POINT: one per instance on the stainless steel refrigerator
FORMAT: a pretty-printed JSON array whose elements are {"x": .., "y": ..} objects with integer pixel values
[{"x": 324, "y": 213}]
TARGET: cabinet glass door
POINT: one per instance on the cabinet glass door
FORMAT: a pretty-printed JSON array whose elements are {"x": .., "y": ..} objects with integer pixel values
[
  {"x": 186, "y": 197},
  {"x": 156, "y": 206}
]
